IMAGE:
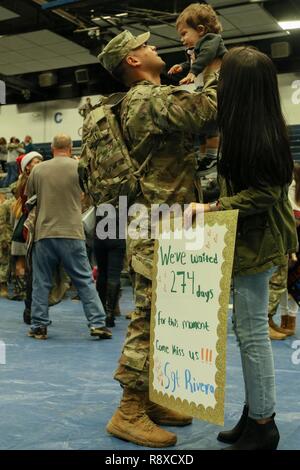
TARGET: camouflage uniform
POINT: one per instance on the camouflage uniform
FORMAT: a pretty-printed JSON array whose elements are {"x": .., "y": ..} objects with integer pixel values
[
  {"x": 277, "y": 286},
  {"x": 5, "y": 239},
  {"x": 159, "y": 121}
]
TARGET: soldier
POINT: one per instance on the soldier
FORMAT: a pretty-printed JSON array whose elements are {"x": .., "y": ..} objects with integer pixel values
[{"x": 158, "y": 121}]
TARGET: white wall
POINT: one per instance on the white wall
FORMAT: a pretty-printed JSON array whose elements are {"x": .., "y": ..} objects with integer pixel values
[
  {"x": 42, "y": 121},
  {"x": 289, "y": 85}
]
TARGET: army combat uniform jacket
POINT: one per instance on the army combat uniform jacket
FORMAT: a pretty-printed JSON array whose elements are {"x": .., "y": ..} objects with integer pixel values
[{"x": 160, "y": 122}]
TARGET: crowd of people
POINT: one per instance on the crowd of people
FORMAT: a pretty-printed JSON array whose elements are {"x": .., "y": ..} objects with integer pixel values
[{"x": 255, "y": 172}]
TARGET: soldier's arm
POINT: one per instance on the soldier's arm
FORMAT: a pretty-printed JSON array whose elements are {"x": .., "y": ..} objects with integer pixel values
[{"x": 174, "y": 110}]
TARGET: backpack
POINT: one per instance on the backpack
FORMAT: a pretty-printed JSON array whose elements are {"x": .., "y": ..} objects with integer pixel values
[{"x": 106, "y": 170}]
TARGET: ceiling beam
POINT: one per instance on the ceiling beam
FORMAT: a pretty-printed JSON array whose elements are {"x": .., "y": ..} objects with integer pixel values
[
  {"x": 57, "y": 4},
  {"x": 63, "y": 14}
]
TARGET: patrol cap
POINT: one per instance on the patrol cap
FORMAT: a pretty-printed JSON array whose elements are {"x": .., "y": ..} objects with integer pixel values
[{"x": 118, "y": 48}]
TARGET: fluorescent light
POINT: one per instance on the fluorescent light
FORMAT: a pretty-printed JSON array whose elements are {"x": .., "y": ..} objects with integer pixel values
[
  {"x": 289, "y": 24},
  {"x": 121, "y": 14}
]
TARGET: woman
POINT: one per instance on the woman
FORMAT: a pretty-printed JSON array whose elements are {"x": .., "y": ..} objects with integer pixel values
[
  {"x": 19, "y": 214},
  {"x": 255, "y": 169}
]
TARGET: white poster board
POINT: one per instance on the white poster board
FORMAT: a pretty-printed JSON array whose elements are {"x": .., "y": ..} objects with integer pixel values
[{"x": 190, "y": 298}]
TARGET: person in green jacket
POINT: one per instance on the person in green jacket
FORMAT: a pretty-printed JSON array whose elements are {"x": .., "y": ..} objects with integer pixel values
[{"x": 255, "y": 170}]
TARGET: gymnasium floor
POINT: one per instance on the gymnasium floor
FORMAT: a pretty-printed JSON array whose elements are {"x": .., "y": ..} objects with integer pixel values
[{"x": 59, "y": 393}]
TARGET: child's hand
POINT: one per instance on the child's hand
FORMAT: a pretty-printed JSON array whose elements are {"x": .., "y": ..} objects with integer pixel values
[
  {"x": 190, "y": 78},
  {"x": 175, "y": 69}
]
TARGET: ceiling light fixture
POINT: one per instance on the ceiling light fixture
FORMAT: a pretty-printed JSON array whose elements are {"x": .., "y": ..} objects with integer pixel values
[{"x": 289, "y": 24}]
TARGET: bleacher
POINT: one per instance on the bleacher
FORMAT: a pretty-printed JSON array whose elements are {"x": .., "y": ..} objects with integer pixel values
[{"x": 294, "y": 133}]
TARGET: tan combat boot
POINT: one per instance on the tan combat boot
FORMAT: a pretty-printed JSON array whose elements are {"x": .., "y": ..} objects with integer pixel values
[
  {"x": 275, "y": 335},
  {"x": 3, "y": 290},
  {"x": 165, "y": 417},
  {"x": 131, "y": 423},
  {"x": 287, "y": 325},
  {"x": 291, "y": 324},
  {"x": 278, "y": 328}
]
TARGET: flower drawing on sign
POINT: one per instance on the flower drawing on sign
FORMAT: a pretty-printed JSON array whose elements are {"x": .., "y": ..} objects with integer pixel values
[
  {"x": 159, "y": 372},
  {"x": 212, "y": 238}
]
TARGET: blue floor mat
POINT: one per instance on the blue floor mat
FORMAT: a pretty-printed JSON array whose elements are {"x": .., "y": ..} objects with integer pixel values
[{"x": 60, "y": 393}]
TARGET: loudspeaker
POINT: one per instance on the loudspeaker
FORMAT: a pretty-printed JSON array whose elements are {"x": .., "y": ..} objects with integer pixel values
[
  {"x": 47, "y": 79},
  {"x": 280, "y": 50},
  {"x": 81, "y": 76}
]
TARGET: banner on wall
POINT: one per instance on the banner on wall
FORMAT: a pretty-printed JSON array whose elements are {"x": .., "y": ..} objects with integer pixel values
[{"x": 190, "y": 299}]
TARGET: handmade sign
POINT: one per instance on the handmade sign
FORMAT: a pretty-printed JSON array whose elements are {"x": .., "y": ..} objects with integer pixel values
[{"x": 190, "y": 298}]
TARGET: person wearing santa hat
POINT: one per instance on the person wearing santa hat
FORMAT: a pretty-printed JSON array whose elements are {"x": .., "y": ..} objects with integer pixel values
[{"x": 19, "y": 214}]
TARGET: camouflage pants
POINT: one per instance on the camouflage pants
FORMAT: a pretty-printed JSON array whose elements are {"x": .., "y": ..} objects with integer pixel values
[
  {"x": 133, "y": 369},
  {"x": 5, "y": 239},
  {"x": 277, "y": 286},
  {"x": 4, "y": 262}
]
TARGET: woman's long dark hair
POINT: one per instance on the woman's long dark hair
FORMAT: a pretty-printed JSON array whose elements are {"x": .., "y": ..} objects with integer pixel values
[{"x": 254, "y": 140}]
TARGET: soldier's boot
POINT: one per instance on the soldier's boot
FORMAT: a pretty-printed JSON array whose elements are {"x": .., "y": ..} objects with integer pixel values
[
  {"x": 278, "y": 328},
  {"x": 3, "y": 290},
  {"x": 166, "y": 417},
  {"x": 288, "y": 324},
  {"x": 112, "y": 295},
  {"x": 275, "y": 335},
  {"x": 131, "y": 423},
  {"x": 20, "y": 288},
  {"x": 117, "y": 311}
]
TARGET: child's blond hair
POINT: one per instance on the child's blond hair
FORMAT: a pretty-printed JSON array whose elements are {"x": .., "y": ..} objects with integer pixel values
[{"x": 200, "y": 14}]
